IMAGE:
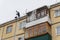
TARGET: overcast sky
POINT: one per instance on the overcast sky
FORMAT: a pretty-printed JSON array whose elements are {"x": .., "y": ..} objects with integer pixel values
[{"x": 8, "y": 7}]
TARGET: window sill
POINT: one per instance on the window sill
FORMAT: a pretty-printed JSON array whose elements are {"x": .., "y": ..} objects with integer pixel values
[
  {"x": 57, "y": 16},
  {"x": 8, "y": 32},
  {"x": 57, "y": 34},
  {"x": 21, "y": 28}
]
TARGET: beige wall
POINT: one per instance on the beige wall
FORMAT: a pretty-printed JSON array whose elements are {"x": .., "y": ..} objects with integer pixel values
[
  {"x": 16, "y": 38},
  {"x": 12, "y": 38},
  {"x": 55, "y": 22},
  {"x": 11, "y": 34},
  {"x": 48, "y": 28},
  {"x": 1, "y": 31},
  {"x": 54, "y": 35},
  {"x": 19, "y": 36},
  {"x": 54, "y": 19},
  {"x": 18, "y": 30},
  {"x": 6, "y": 35}
]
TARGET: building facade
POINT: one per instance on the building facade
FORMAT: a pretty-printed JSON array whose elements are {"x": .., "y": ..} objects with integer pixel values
[
  {"x": 13, "y": 30},
  {"x": 55, "y": 18},
  {"x": 38, "y": 24}
]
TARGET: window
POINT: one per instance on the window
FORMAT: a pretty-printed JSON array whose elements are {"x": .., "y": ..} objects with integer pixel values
[
  {"x": 32, "y": 17},
  {"x": 42, "y": 13},
  {"x": 58, "y": 30},
  {"x": 19, "y": 38},
  {"x": 38, "y": 15},
  {"x": 9, "y": 29},
  {"x": 22, "y": 24},
  {"x": 28, "y": 19},
  {"x": 57, "y": 13}
]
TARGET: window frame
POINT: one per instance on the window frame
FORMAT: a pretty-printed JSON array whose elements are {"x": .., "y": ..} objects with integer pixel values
[
  {"x": 10, "y": 26},
  {"x": 19, "y": 38},
  {"x": 55, "y": 12},
  {"x": 44, "y": 13},
  {"x": 22, "y": 23},
  {"x": 38, "y": 17},
  {"x": 57, "y": 31},
  {"x": 32, "y": 17}
]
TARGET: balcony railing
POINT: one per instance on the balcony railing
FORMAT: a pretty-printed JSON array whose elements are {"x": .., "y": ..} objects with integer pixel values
[{"x": 37, "y": 21}]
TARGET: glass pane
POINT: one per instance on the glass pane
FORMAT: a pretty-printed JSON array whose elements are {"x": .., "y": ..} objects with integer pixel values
[
  {"x": 58, "y": 30},
  {"x": 38, "y": 15},
  {"x": 32, "y": 17},
  {"x": 42, "y": 13},
  {"x": 22, "y": 38},
  {"x": 9, "y": 29},
  {"x": 57, "y": 13},
  {"x": 19, "y": 38},
  {"x": 22, "y": 24}
]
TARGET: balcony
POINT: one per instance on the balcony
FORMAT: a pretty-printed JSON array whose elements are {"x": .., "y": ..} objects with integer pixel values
[{"x": 38, "y": 21}]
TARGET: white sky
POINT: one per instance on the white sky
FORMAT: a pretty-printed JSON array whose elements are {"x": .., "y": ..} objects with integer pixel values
[{"x": 8, "y": 7}]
